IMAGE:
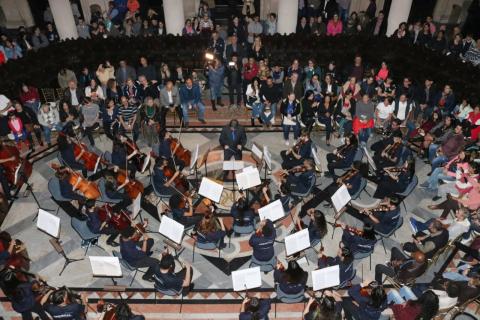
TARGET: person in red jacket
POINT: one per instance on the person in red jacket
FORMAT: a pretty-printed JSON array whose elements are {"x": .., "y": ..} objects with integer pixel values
[{"x": 29, "y": 97}]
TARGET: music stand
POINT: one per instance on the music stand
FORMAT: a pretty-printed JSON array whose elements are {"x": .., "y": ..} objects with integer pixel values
[
  {"x": 106, "y": 267},
  {"x": 267, "y": 159},
  {"x": 202, "y": 162},
  {"x": 233, "y": 165},
  {"x": 58, "y": 247},
  {"x": 173, "y": 232},
  {"x": 29, "y": 188}
]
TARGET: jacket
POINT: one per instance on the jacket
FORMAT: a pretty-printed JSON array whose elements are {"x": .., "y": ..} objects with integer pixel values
[
  {"x": 164, "y": 101},
  {"x": 190, "y": 94}
]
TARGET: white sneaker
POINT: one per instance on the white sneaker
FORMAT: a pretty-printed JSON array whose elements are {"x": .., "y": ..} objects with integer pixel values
[{"x": 287, "y": 143}]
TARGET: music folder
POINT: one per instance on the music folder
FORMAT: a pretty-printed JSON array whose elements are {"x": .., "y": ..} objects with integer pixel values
[
  {"x": 210, "y": 189},
  {"x": 326, "y": 277},
  {"x": 171, "y": 229},
  {"x": 105, "y": 266},
  {"x": 248, "y": 178},
  {"x": 48, "y": 223},
  {"x": 272, "y": 211},
  {"x": 233, "y": 165},
  {"x": 268, "y": 157},
  {"x": 340, "y": 198},
  {"x": 297, "y": 242},
  {"x": 246, "y": 279}
]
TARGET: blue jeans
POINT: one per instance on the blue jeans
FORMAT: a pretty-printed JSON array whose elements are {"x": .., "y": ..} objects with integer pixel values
[
  {"x": 421, "y": 226},
  {"x": 48, "y": 131},
  {"x": 216, "y": 90},
  {"x": 257, "y": 109},
  {"x": 343, "y": 14},
  {"x": 35, "y": 105},
  {"x": 24, "y": 135},
  {"x": 436, "y": 176},
  {"x": 327, "y": 121},
  {"x": 200, "y": 106},
  {"x": 435, "y": 160},
  {"x": 364, "y": 134},
  {"x": 455, "y": 276},
  {"x": 266, "y": 119},
  {"x": 401, "y": 296},
  {"x": 296, "y": 131}
]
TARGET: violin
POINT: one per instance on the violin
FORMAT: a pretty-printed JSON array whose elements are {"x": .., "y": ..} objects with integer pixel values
[
  {"x": 391, "y": 150},
  {"x": 89, "y": 189},
  {"x": 294, "y": 170},
  {"x": 133, "y": 188},
  {"x": 118, "y": 221},
  {"x": 347, "y": 176},
  {"x": 298, "y": 145},
  {"x": 16, "y": 166},
  {"x": 350, "y": 229},
  {"x": 108, "y": 308}
]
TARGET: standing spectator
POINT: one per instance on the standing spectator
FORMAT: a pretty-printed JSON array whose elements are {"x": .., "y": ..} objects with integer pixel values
[
  {"x": 83, "y": 29},
  {"x": 234, "y": 80},
  {"x": 327, "y": 9},
  {"x": 133, "y": 6},
  {"x": 234, "y": 48},
  {"x": 190, "y": 97},
  {"x": 91, "y": 119},
  {"x": 363, "y": 121},
  {"x": 216, "y": 72},
  {"x": 343, "y": 8},
  {"x": 217, "y": 44},
  {"x": 238, "y": 29},
  {"x": 188, "y": 29},
  {"x": 206, "y": 25},
  {"x": 47, "y": 15},
  {"x": 124, "y": 72},
  {"x": 303, "y": 26},
  {"x": 65, "y": 76},
  {"x": 84, "y": 77},
  {"x": 334, "y": 26},
  {"x": 39, "y": 40},
  {"x": 254, "y": 29},
  {"x": 371, "y": 9},
  {"x": 248, "y": 8},
  {"x": 379, "y": 25},
  {"x": 271, "y": 24}
]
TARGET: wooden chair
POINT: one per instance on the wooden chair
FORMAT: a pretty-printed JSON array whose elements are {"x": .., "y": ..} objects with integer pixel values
[{"x": 48, "y": 95}]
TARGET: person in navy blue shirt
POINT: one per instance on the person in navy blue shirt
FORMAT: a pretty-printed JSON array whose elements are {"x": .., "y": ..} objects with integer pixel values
[
  {"x": 359, "y": 243},
  {"x": 294, "y": 156},
  {"x": 95, "y": 225},
  {"x": 384, "y": 217},
  {"x": 67, "y": 190},
  {"x": 166, "y": 278},
  {"x": 343, "y": 156},
  {"x": 344, "y": 260},
  {"x": 211, "y": 229},
  {"x": 359, "y": 306},
  {"x": 165, "y": 150},
  {"x": 23, "y": 299},
  {"x": 284, "y": 196},
  {"x": 60, "y": 304},
  {"x": 233, "y": 140},
  {"x": 302, "y": 182},
  {"x": 109, "y": 118},
  {"x": 254, "y": 309},
  {"x": 123, "y": 312},
  {"x": 262, "y": 241},
  {"x": 317, "y": 224},
  {"x": 292, "y": 280},
  {"x": 121, "y": 158},
  {"x": 183, "y": 213},
  {"x": 396, "y": 181},
  {"x": 241, "y": 212},
  {"x": 65, "y": 146},
  {"x": 391, "y": 154},
  {"x": 138, "y": 253}
]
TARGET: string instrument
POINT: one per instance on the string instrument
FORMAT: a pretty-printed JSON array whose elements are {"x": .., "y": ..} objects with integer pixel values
[
  {"x": 180, "y": 182},
  {"x": 294, "y": 170},
  {"x": 118, "y": 221},
  {"x": 379, "y": 208},
  {"x": 341, "y": 150},
  {"x": 139, "y": 158},
  {"x": 180, "y": 152},
  {"x": 391, "y": 150},
  {"x": 16, "y": 166},
  {"x": 350, "y": 229},
  {"x": 89, "y": 159},
  {"x": 108, "y": 308},
  {"x": 140, "y": 229},
  {"x": 89, "y": 189},
  {"x": 347, "y": 176},
  {"x": 298, "y": 145},
  {"x": 133, "y": 188}
]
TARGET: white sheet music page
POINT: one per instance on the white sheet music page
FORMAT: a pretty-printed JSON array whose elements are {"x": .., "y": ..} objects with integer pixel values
[
  {"x": 233, "y": 165},
  {"x": 195, "y": 156},
  {"x": 105, "y": 266},
  {"x": 171, "y": 229},
  {"x": 248, "y": 178},
  {"x": 268, "y": 157},
  {"x": 48, "y": 223},
  {"x": 340, "y": 198},
  {"x": 210, "y": 189},
  {"x": 246, "y": 279},
  {"x": 256, "y": 151},
  {"x": 326, "y": 277},
  {"x": 297, "y": 242},
  {"x": 272, "y": 211}
]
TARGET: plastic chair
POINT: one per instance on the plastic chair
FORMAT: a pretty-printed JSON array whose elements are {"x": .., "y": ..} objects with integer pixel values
[
  {"x": 88, "y": 238},
  {"x": 388, "y": 235},
  {"x": 296, "y": 195},
  {"x": 103, "y": 193},
  {"x": 359, "y": 154},
  {"x": 265, "y": 266},
  {"x": 161, "y": 197},
  {"x": 408, "y": 190},
  {"x": 167, "y": 292},
  {"x": 108, "y": 156},
  {"x": 361, "y": 255},
  {"x": 288, "y": 298},
  {"x": 54, "y": 189},
  {"x": 205, "y": 245},
  {"x": 363, "y": 184},
  {"x": 127, "y": 266}
]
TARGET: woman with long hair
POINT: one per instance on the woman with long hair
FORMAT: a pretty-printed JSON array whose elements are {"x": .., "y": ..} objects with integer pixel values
[
  {"x": 423, "y": 308},
  {"x": 211, "y": 229},
  {"x": 253, "y": 99},
  {"x": 291, "y": 280}
]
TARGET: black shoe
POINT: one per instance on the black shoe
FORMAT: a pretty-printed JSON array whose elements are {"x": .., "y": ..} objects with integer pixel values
[
  {"x": 149, "y": 279},
  {"x": 220, "y": 103},
  {"x": 252, "y": 121},
  {"x": 214, "y": 106},
  {"x": 113, "y": 243},
  {"x": 436, "y": 198}
]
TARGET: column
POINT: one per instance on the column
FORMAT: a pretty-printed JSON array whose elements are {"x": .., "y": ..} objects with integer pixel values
[
  {"x": 399, "y": 12},
  {"x": 174, "y": 16},
  {"x": 287, "y": 16},
  {"x": 63, "y": 17}
]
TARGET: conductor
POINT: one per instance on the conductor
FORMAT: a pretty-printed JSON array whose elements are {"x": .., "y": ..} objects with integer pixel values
[{"x": 233, "y": 139}]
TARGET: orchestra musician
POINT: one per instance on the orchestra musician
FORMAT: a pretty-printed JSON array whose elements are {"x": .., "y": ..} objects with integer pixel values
[
  {"x": 384, "y": 217},
  {"x": 300, "y": 183},
  {"x": 323, "y": 308},
  {"x": 359, "y": 240},
  {"x": 262, "y": 241},
  {"x": 302, "y": 150},
  {"x": 64, "y": 304},
  {"x": 114, "y": 190},
  {"x": 344, "y": 260},
  {"x": 394, "y": 129},
  {"x": 138, "y": 253},
  {"x": 291, "y": 280},
  {"x": 316, "y": 225},
  {"x": 165, "y": 150},
  {"x": 241, "y": 212},
  {"x": 211, "y": 229},
  {"x": 164, "y": 183},
  {"x": 166, "y": 278},
  {"x": 96, "y": 226},
  {"x": 365, "y": 301},
  {"x": 182, "y": 211},
  {"x": 402, "y": 268},
  {"x": 233, "y": 140},
  {"x": 395, "y": 180},
  {"x": 343, "y": 156},
  {"x": 122, "y": 311},
  {"x": 67, "y": 190},
  {"x": 391, "y": 155},
  {"x": 254, "y": 308},
  {"x": 3, "y": 178},
  {"x": 65, "y": 146},
  {"x": 121, "y": 158}
]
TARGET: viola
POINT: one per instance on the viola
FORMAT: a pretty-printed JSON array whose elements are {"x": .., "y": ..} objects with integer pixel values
[
  {"x": 133, "y": 188},
  {"x": 14, "y": 167},
  {"x": 181, "y": 153},
  {"x": 118, "y": 221},
  {"x": 89, "y": 189},
  {"x": 108, "y": 308},
  {"x": 364, "y": 292}
]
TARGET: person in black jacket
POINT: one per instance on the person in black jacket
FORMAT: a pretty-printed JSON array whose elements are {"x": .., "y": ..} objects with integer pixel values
[
  {"x": 294, "y": 156},
  {"x": 234, "y": 79},
  {"x": 290, "y": 109},
  {"x": 269, "y": 96},
  {"x": 95, "y": 225},
  {"x": 233, "y": 139}
]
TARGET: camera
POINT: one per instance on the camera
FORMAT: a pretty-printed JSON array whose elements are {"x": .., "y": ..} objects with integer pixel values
[{"x": 231, "y": 64}]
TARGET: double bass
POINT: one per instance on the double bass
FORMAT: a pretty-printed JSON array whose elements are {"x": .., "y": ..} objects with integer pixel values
[
  {"x": 89, "y": 189},
  {"x": 179, "y": 151},
  {"x": 17, "y": 170},
  {"x": 90, "y": 159}
]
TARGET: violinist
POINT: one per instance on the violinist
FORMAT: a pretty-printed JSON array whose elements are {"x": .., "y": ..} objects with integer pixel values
[
  {"x": 165, "y": 185},
  {"x": 183, "y": 212},
  {"x": 344, "y": 260},
  {"x": 316, "y": 224},
  {"x": 365, "y": 301},
  {"x": 7, "y": 248},
  {"x": 292, "y": 280},
  {"x": 352, "y": 179},
  {"x": 395, "y": 180},
  {"x": 302, "y": 182},
  {"x": 384, "y": 217},
  {"x": 95, "y": 225},
  {"x": 233, "y": 140},
  {"x": 114, "y": 190},
  {"x": 294, "y": 156},
  {"x": 359, "y": 241},
  {"x": 211, "y": 229},
  {"x": 254, "y": 308},
  {"x": 391, "y": 155},
  {"x": 65, "y": 146},
  {"x": 343, "y": 156},
  {"x": 262, "y": 241},
  {"x": 324, "y": 308},
  {"x": 241, "y": 212},
  {"x": 138, "y": 253},
  {"x": 123, "y": 312},
  {"x": 378, "y": 146},
  {"x": 121, "y": 158},
  {"x": 166, "y": 278},
  {"x": 67, "y": 190},
  {"x": 64, "y": 304},
  {"x": 165, "y": 150}
]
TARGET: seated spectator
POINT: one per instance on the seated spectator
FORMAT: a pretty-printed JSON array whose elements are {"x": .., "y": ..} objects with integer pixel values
[
  {"x": 49, "y": 119},
  {"x": 334, "y": 26},
  {"x": 408, "y": 307},
  {"x": 39, "y": 40},
  {"x": 428, "y": 244},
  {"x": 384, "y": 113},
  {"x": 12, "y": 50},
  {"x": 402, "y": 268}
]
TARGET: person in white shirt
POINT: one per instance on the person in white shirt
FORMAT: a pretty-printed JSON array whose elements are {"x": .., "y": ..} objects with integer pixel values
[
  {"x": 271, "y": 24},
  {"x": 456, "y": 227},
  {"x": 403, "y": 110},
  {"x": 383, "y": 113},
  {"x": 94, "y": 88}
]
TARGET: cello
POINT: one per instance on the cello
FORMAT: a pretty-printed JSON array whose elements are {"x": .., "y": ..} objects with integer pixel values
[
  {"x": 90, "y": 160},
  {"x": 118, "y": 221},
  {"x": 17, "y": 170},
  {"x": 89, "y": 189},
  {"x": 179, "y": 151},
  {"x": 139, "y": 159},
  {"x": 133, "y": 188}
]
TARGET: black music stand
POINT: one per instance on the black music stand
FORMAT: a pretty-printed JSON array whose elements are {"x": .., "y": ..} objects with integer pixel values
[
  {"x": 58, "y": 247},
  {"x": 30, "y": 189}
]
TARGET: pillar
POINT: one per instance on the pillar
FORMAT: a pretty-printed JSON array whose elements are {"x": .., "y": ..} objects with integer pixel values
[
  {"x": 399, "y": 12},
  {"x": 174, "y": 16},
  {"x": 287, "y": 16},
  {"x": 63, "y": 18}
]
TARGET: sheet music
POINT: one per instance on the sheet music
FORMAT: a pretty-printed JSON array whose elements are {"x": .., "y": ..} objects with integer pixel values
[
  {"x": 210, "y": 189},
  {"x": 297, "y": 242},
  {"x": 370, "y": 159},
  {"x": 171, "y": 229},
  {"x": 17, "y": 171},
  {"x": 246, "y": 279},
  {"x": 136, "y": 206},
  {"x": 195, "y": 157},
  {"x": 289, "y": 121},
  {"x": 146, "y": 162},
  {"x": 272, "y": 211},
  {"x": 105, "y": 266},
  {"x": 233, "y": 165},
  {"x": 340, "y": 198},
  {"x": 248, "y": 178},
  {"x": 48, "y": 223},
  {"x": 315, "y": 158},
  {"x": 97, "y": 164},
  {"x": 268, "y": 157},
  {"x": 326, "y": 277},
  {"x": 256, "y": 151}
]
